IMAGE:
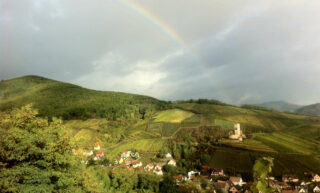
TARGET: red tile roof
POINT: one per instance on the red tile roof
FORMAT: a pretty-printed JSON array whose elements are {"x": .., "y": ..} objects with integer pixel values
[
  {"x": 100, "y": 154},
  {"x": 234, "y": 179}
]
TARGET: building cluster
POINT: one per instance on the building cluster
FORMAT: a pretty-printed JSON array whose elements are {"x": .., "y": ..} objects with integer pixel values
[
  {"x": 129, "y": 160},
  {"x": 287, "y": 184},
  {"x": 95, "y": 154},
  {"x": 220, "y": 181},
  {"x": 235, "y": 184}
]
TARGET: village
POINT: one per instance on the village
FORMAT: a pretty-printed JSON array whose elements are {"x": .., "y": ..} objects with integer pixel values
[{"x": 221, "y": 182}]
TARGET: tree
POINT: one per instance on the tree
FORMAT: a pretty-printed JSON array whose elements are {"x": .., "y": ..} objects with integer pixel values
[
  {"x": 168, "y": 185},
  {"x": 36, "y": 156},
  {"x": 261, "y": 170}
]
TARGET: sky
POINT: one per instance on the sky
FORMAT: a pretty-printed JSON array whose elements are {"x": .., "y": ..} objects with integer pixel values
[{"x": 234, "y": 51}]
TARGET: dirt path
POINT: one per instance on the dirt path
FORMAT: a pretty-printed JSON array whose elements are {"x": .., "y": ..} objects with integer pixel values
[{"x": 203, "y": 121}]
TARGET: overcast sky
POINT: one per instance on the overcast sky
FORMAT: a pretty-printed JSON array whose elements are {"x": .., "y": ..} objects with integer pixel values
[{"x": 234, "y": 51}]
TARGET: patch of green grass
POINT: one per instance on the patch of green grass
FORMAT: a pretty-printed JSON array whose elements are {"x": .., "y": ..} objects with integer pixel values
[
  {"x": 172, "y": 115},
  {"x": 142, "y": 145}
]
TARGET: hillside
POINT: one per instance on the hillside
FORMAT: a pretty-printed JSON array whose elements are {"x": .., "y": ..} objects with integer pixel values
[
  {"x": 55, "y": 98},
  {"x": 313, "y": 110},
  {"x": 280, "y": 106},
  {"x": 187, "y": 129}
]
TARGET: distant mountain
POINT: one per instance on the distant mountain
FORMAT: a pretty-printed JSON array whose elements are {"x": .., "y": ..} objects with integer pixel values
[
  {"x": 313, "y": 109},
  {"x": 280, "y": 106},
  {"x": 69, "y": 101}
]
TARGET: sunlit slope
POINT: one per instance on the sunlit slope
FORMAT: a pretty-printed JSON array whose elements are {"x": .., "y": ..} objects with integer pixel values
[
  {"x": 54, "y": 98},
  {"x": 251, "y": 120},
  {"x": 114, "y": 138},
  {"x": 172, "y": 115}
]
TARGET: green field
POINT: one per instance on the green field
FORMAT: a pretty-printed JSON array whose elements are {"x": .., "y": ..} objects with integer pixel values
[{"x": 172, "y": 115}]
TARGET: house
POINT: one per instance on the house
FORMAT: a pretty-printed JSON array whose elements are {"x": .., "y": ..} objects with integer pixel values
[
  {"x": 193, "y": 174},
  {"x": 158, "y": 172},
  {"x": 135, "y": 155},
  {"x": 136, "y": 164},
  {"x": 237, "y": 133},
  {"x": 168, "y": 155},
  {"x": 96, "y": 147},
  {"x": 125, "y": 154},
  {"x": 303, "y": 190},
  {"x": 315, "y": 178},
  {"x": 127, "y": 162},
  {"x": 290, "y": 191},
  {"x": 140, "y": 168},
  {"x": 233, "y": 189},
  {"x": 180, "y": 178},
  {"x": 118, "y": 160},
  {"x": 280, "y": 185},
  {"x": 99, "y": 155},
  {"x": 158, "y": 167},
  {"x": 149, "y": 167},
  {"x": 236, "y": 181},
  {"x": 316, "y": 189},
  {"x": 172, "y": 162},
  {"x": 222, "y": 185},
  {"x": 217, "y": 172},
  {"x": 87, "y": 153},
  {"x": 290, "y": 178}
]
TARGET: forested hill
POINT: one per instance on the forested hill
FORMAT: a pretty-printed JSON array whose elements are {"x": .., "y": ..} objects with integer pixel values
[{"x": 55, "y": 98}]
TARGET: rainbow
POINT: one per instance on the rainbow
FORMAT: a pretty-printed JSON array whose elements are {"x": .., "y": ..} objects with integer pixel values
[
  {"x": 162, "y": 26},
  {"x": 171, "y": 33}
]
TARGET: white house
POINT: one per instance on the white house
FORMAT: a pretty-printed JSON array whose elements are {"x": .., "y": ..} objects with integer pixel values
[
  {"x": 193, "y": 174},
  {"x": 316, "y": 178},
  {"x": 172, "y": 162},
  {"x": 168, "y": 155},
  {"x": 87, "y": 153},
  {"x": 158, "y": 167},
  {"x": 125, "y": 154},
  {"x": 149, "y": 167},
  {"x": 158, "y": 172},
  {"x": 136, "y": 164},
  {"x": 236, "y": 181},
  {"x": 290, "y": 178},
  {"x": 316, "y": 189},
  {"x": 99, "y": 155},
  {"x": 134, "y": 155},
  {"x": 303, "y": 190}
]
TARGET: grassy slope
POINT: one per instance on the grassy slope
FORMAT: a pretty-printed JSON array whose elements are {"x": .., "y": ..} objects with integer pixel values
[
  {"x": 292, "y": 139},
  {"x": 172, "y": 115},
  {"x": 54, "y": 98}
]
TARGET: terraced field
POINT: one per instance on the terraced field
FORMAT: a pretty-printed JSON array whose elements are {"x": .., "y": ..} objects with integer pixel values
[{"x": 287, "y": 142}]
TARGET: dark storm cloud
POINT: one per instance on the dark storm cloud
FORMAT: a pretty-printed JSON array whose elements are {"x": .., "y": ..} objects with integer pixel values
[{"x": 237, "y": 52}]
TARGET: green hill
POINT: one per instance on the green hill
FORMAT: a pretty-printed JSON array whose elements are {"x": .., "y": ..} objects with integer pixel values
[
  {"x": 119, "y": 121},
  {"x": 54, "y": 98}
]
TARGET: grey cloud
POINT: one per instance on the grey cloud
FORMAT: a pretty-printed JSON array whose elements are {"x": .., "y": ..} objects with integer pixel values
[{"x": 238, "y": 52}]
